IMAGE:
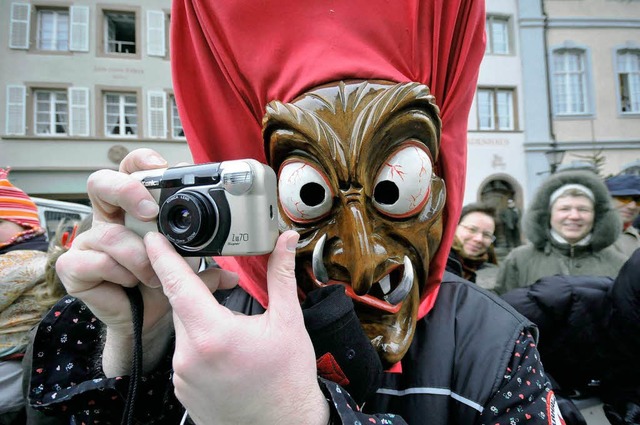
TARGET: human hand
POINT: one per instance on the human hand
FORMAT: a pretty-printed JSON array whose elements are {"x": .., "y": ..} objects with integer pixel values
[
  {"x": 236, "y": 369},
  {"x": 109, "y": 256}
]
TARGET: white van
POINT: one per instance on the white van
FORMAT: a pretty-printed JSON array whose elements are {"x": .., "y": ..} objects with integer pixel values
[{"x": 52, "y": 212}]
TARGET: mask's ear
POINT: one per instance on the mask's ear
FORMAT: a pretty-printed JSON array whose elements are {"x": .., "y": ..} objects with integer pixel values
[
  {"x": 436, "y": 201},
  {"x": 274, "y": 117}
]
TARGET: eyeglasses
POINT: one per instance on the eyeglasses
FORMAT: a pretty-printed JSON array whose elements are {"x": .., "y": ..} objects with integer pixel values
[
  {"x": 486, "y": 236},
  {"x": 625, "y": 199}
]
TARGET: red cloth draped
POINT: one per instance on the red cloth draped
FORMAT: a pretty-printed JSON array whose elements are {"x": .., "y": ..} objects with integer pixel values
[{"x": 230, "y": 58}]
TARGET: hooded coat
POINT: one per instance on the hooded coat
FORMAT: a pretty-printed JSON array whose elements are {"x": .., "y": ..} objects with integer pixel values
[{"x": 545, "y": 256}]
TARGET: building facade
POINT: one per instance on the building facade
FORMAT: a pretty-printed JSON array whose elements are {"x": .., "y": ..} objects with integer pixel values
[
  {"x": 496, "y": 168},
  {"x": 581, "y": 75},
  {"x": 558, "y": 76},
  {"x": 82, "y": 84}
]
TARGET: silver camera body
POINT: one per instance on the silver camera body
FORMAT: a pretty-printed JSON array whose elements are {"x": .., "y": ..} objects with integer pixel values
[{"x": 221, "y": 208}]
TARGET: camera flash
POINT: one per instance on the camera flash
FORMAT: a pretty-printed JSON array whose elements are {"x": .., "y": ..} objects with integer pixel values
[{"x": 188, "y": 179}]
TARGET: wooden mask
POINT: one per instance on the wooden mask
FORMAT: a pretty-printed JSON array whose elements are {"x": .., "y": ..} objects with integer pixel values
[{"x": 358, "y": 179}]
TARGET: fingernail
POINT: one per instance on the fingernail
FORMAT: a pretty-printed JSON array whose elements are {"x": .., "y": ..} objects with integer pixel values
[
  {"x": 148, "y": 209},
  {"x": 155, "y": 160},
  {"x": 292, "y": 242},
  {"x": 154, "y": 282}
]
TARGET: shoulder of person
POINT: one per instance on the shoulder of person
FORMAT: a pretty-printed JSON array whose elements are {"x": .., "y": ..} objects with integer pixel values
[{"x": 21, "y": 261}]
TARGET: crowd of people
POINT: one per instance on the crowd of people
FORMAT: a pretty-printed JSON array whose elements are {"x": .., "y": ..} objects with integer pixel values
[
  {"x": 576, "y": 278},
  {"x": 383, "y": 300}
]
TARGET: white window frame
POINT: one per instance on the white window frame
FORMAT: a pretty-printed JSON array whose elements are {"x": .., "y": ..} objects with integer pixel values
[
  {"x": 502, "y": 116},
  {"x": 492, "y": 36},
  {"x": 120, "y": 45},
  {"x": 19, "y": 26},
  {"x": 572, "y": 86},
  {"x": 122, "y": 115},
  {"x": 627, "y": 66},
  {"x": 57, "y": 17},
  {"x": 52, "y": 104}
]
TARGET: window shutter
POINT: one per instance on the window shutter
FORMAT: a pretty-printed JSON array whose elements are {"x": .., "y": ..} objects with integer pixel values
[
  {"x": 78, "y": 111},
  {"x": 79, "y": 29},
  {"x": 156, "y": 105},
  {"x": 155, "y": 33},
  {"x": 19, "y": 28},
  {"x": 15, "y": 123}
]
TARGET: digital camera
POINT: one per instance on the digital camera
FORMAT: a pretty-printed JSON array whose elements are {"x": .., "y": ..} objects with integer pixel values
[{"x": 222, "y": 208}]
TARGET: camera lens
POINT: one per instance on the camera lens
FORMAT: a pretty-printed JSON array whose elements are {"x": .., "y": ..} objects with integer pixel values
[
  {"x": 188, "y": 219},
  {"x": 181, "y": 218}
]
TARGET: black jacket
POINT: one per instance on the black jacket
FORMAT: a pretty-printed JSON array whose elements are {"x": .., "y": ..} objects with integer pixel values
[{"x": 589, "y": 332}]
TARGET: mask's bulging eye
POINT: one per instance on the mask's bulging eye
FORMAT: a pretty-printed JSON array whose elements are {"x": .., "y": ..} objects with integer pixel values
[
  {"x": 403, "y": 184},
  {"x": 304, "y": 191}
]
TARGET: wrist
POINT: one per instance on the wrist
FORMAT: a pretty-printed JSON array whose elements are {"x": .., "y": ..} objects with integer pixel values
[{"x": 117, "y": 352}]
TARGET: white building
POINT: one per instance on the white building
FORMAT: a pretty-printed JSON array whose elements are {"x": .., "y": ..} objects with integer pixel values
[
  {"x": 496, "y": 167},
  {"x": 82, "y": 84}
]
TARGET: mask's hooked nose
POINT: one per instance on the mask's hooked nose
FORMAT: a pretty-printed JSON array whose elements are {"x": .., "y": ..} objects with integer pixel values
[{"x": 354, "y": 251}]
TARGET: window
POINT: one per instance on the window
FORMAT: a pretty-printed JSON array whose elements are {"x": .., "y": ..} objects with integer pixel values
[
  {"x": 121, "y": 114},
  {"x": 628, "y": 68},
  {"x": 495, "y": 109},
  {"x": 498, "y": 36},
  {"x": 569, "y": 82},
  {"x": 120, "y": 32},
  {"x": 51, "y": 112},
  {"x": 53, "y": 30},
  {"x": 159, "y": 112},
  {"x": 177, "y": 132}
]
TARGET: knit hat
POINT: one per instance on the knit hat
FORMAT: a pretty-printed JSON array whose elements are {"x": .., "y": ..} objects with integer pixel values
[
  {"x": 15, "y": 205},
  {"x": 578, "y": 187},
  {"x": 624, "y": 185}
]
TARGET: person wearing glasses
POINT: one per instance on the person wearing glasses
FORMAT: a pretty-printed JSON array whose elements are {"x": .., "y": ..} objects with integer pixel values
[
  {"x": 571, "y": 226},
  {"x": 472, "y": 255},
  {"x": 625, "y": 195}
]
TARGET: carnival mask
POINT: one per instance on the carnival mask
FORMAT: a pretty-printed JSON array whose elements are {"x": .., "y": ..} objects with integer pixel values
[{"x": 357, "y": 178}]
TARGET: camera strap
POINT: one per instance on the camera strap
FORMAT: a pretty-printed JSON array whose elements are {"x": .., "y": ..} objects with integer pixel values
[{"x": 137, "y": 312}]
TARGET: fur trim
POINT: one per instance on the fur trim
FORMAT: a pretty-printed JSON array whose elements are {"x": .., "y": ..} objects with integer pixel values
[{"x": 607, "y": 224}]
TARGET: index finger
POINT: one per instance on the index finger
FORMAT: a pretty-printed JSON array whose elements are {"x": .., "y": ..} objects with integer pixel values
[{"x": 190, "y": 298}]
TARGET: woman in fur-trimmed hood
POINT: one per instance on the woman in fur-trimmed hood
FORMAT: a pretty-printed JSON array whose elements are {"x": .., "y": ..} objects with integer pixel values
[{"x": 571, "y": 226}]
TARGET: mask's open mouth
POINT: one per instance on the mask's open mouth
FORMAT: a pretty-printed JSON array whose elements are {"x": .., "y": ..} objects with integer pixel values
[{"x": 386, "y": 294}]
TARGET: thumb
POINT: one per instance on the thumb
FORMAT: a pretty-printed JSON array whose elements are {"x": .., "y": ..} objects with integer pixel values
[{"x": 281, "y": 278}]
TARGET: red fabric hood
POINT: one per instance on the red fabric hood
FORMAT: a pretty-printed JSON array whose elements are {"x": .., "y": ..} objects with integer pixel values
[{"x": 230, "y": 58}]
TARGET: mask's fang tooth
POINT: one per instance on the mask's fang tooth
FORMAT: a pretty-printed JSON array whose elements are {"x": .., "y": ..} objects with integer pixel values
[
  {"x": 385, "y": 284},
  {"x": 401, "y": 292},
  {"x": 319, "y": 270}
]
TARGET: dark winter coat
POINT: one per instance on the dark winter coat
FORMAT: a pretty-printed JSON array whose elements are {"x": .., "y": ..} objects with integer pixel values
[{"x": 589, "y": 329}]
